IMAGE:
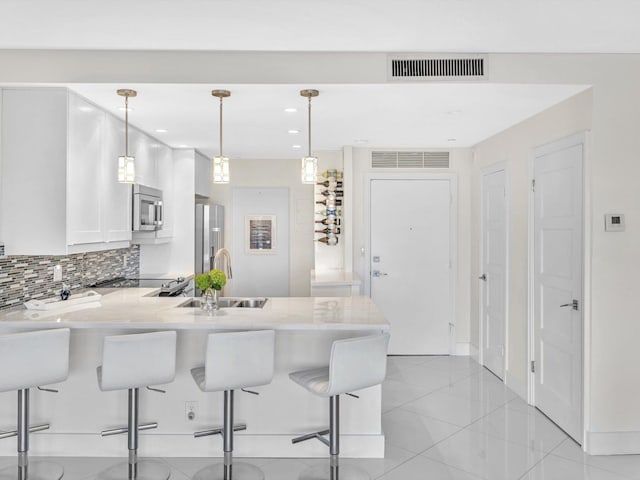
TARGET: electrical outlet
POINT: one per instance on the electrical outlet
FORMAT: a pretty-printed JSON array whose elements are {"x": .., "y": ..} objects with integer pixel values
[
  {"x": 57, "y": 273},
  {"x": 191, "y": 410}
]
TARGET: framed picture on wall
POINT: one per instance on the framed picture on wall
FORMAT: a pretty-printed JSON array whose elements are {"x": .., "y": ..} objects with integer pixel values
[{"x": 260, "y": 234}]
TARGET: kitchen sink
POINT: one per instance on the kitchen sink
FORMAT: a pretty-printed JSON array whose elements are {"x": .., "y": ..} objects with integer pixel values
[{"x": 230, "y": 302}]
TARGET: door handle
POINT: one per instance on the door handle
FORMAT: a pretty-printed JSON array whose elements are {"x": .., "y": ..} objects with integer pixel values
[
  {"x": 483, "y": 277},
  {"x": 378, "y": 273},
  {"x": 573, "y": 304}
]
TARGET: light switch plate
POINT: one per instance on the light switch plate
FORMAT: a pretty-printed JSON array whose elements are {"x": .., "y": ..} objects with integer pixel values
[{"x": 614, "y": 222}]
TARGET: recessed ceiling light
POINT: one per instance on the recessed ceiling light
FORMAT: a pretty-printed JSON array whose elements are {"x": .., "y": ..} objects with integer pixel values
[
  {"x": 293, "y": 131},
  {"x": 451, "y": 139},
  {"x": 296, "y": 146},
  {"x": 161, "y": 130},
  {"x": 361, "y": 141},
  {"x": 290, "y": 110},
  {"x": 454, "y": 112},
  {"x": 85, "y": 109},
  {"x": 183, "y": 146}
]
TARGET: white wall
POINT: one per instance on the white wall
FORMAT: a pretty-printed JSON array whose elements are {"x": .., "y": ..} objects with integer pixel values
[
  {"x": 275, "y": 173},
  {"x": 260, "y": 273},
  {"x": 460, "y": 163}
]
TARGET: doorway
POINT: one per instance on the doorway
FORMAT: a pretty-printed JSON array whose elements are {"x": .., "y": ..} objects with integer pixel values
[
  {"x": 411, "y": 260},
  {"x": 494, "y": 271},
  {"x": 557, "y": 273}
]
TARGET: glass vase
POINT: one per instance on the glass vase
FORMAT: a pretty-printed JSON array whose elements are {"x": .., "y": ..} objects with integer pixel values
[{"x": 209, "y": 302}]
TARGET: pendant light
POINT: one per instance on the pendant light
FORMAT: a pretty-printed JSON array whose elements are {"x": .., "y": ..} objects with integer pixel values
[
  {"x": 126, "y": 163},
  {"x": 220, "y": 163},
  {"x": 309, "y": 164}
]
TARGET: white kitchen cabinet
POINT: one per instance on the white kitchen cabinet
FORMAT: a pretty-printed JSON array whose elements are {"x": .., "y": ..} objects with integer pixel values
[
  {"x": 59, "y": 190},
  {"x": 165, "y": 176},
  {"x": 116, "y": 196},
  {"x": 86, "y": 125},
  {"x": 203, "y": 175},
  {"x": 143, "y": 148},
  {"x": 34, "y": 173}
]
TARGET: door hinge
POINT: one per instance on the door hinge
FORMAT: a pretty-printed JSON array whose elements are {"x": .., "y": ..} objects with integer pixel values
[
  {"x": 533, "y": 185},
  {"x": 533, "y": 366}
]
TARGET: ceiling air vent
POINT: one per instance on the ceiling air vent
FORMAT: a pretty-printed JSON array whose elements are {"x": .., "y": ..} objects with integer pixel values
[
  {"x": 437, "y": 68},
  {"x": 386, "y": 159}
]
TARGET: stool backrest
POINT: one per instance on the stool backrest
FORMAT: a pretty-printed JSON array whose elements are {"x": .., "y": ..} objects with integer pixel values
[
  {"x": 239, "y": 360},
  {"x": 33, "y": 359},
  {"x": 138, "y": 360},
  {"x": 357, "y": 363}
]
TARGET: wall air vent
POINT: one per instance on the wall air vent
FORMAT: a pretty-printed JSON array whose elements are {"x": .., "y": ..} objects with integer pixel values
[
  {"x": 387, "y": 159},
  {"x": 467, "y": 67}
]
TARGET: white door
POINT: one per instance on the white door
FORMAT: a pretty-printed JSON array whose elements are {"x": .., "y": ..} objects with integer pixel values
[
  {"x": 411, "y": 262},
  {"x": 558, "y": 232},
  {"x": 494, "y": 270}
]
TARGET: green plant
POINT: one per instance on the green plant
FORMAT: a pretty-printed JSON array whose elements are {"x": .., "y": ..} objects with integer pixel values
[{"x": 215, "y": 280}]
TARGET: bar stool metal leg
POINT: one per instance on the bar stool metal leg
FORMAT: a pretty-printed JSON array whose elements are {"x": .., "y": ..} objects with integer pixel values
[
  {"x": 228, "y": 469},
  {"x": 134, "y": 469},
  {"x": 25, "y": 470},
  {"x": 331, "y": 470}
]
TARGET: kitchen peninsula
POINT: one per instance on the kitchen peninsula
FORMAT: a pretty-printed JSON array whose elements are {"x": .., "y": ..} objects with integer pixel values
[{"x": 305, "y": 329}]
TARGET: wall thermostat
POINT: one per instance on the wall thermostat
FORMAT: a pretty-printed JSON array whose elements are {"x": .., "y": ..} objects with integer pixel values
[{"x": 614, "y": 222}]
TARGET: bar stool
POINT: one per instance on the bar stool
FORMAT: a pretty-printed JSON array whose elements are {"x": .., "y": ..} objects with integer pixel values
[
  {"x": 30, "y": 360},
  {"x": 354, "y": 364},
  {"x": 234, "y": 360},
  {"x": 132, "y": 362}
]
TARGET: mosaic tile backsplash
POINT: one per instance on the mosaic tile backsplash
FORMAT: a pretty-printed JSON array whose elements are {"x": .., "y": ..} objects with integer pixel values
[{"x": 23, "y": 278}]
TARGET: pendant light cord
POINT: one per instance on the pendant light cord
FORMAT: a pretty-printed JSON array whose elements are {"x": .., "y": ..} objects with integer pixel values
[
  {"x": 309, "y": 110},
  {"x": 126, "y": 125},
  {"x": 221, "y": 155}
]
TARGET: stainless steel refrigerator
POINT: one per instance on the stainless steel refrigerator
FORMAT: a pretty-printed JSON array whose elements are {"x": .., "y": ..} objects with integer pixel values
[{"x": 209, "y": 235}]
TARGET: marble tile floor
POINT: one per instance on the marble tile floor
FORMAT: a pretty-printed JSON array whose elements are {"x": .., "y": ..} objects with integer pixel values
[{"x": 445, "y": 418}]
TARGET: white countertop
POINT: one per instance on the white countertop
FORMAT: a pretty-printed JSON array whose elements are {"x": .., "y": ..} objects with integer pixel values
[{"x": 132, "y": 308}]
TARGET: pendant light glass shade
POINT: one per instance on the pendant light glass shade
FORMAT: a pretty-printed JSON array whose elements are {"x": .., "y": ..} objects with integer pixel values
[
  {"x": 126, "y": 163},
  {"x": 220, "y": 166},
  {"x": 309, "y": 169},
  {"x": 309, "y": 165},
  {"x": 126, "y": 170},
  {"x": 220, "y": 170}
]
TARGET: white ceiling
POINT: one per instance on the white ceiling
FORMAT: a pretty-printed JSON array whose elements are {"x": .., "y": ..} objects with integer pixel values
[
  {"x": 396, "y": 116},
  {"x": 324, "y": 25},
  {"x": 391, "y": 115}
]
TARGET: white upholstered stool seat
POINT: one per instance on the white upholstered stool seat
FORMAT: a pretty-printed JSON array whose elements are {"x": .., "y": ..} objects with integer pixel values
[
  {"x": 29, "y": 360},
  {"x": 131, "y": 362},
  {"x": 234, "y": 360},
  {"x": 354, "y": 364}
]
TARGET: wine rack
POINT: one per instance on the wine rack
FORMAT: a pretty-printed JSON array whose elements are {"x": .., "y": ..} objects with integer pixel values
[{"x": 329, "y": 195}]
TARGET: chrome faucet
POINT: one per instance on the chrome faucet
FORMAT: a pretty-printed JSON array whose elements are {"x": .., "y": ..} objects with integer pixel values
[{"x": 223, "y": 252}]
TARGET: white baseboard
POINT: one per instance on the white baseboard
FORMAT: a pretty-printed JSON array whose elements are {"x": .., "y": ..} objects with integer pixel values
[
  {"x": 462, "y": 349},
  {"x": 517, "y": 385},
  {"x": 612, "y": 443},
  {"x": 474, "y": 352},
  {"x": 185, "y": 445}
]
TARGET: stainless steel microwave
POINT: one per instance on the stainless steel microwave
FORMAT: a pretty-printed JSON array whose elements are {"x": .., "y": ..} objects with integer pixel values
[{"x": 148, "y": 212}]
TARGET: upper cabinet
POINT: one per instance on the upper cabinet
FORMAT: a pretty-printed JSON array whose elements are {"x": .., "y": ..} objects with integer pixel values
[
  {"x": 203, "y": 175},
  {"x": 60, "y": 193}
]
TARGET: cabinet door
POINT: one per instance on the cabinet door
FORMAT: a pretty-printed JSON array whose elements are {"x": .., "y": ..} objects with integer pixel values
[
  {"x": 164, "y": 164},
  {"x": 117, "y": 196},
  {"x": 84, "y": 173},
  {"x": 142, "y": 146},
  {"x": 203, "y": 175}
]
